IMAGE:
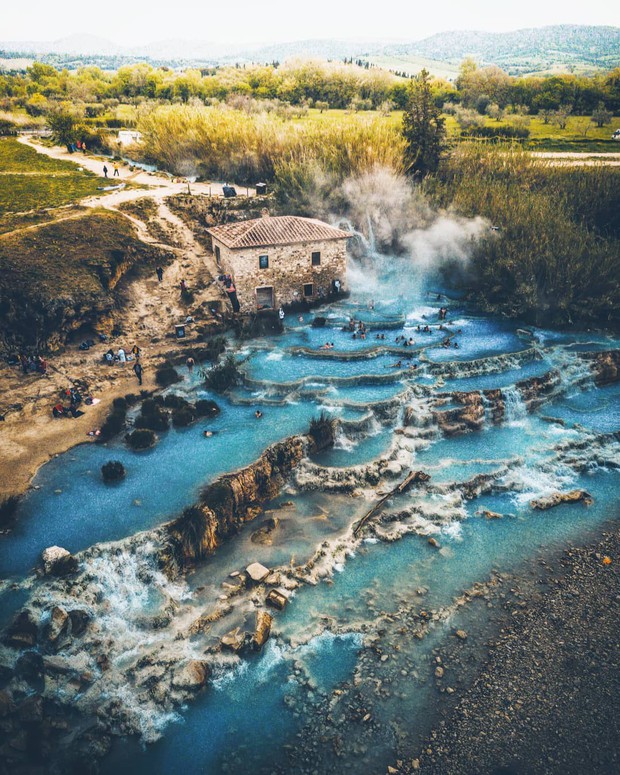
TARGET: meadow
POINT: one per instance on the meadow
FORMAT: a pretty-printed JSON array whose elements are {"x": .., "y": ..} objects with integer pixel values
[{"x": 32, "y": 181}]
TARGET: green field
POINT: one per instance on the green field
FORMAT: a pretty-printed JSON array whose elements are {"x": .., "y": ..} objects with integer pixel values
[
  {"x": 543, "y": 137},
  {"x": 412, "y": 65},
  {"x": 32, "y": 181}
]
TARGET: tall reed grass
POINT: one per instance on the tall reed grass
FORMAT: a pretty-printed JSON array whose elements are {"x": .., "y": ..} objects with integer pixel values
[
  {"x": 553, "y": 256},
  {"x": 229, "y": 144}
]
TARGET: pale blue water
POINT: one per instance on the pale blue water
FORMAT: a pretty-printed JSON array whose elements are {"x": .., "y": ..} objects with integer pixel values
[{"x": 250, "y": 710}]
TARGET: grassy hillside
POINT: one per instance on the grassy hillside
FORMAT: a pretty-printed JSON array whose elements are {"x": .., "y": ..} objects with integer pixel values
[
  {"x": 542, "y": 49},
  {"x": 64, "y": 274}
]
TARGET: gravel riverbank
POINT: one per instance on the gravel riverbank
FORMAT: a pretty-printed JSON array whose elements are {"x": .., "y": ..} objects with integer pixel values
[{"x": 547, "y": 699}]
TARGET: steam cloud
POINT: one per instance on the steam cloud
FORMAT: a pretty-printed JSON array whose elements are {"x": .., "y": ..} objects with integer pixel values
[{"x": 396, "y": 218}]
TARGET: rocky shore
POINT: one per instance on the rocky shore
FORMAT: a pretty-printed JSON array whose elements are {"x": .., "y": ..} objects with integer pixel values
[{"x": 547, "y": 698}]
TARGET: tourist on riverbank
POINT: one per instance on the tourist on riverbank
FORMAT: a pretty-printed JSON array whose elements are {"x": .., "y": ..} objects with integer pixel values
[
  {"x": 122, "y": 357},
  {"x": 190, "y": 363},
  {"x": 105, "y": 171},
  {"x": 116, "y": 172},
  {"x": 137, "y": 367},
  {"x": 160, "y": 273}
]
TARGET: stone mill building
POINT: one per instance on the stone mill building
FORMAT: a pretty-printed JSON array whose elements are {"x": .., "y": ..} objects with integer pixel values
[{"x": 281, "y": 260}]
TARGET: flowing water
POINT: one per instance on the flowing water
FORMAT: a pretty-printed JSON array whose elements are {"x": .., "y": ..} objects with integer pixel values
[{"x": 257, "y": 709}]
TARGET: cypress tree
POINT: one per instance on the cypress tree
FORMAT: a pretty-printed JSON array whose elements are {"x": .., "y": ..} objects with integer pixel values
[{"x": 423, "y": 128}]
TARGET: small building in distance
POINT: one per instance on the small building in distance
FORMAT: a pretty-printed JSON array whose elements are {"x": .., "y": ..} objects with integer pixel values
[{"x": 281, "y": 260}]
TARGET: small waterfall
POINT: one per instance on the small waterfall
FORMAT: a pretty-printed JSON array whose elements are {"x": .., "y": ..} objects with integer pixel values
[
  {"x": 515, "y": 409},
  {"x": 575, "y": 372}
]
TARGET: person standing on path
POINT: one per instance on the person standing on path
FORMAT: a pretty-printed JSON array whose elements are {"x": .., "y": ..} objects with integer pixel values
[
  {"x": 160, "y": 273},
  {"x": 116, "y": 172},
  {"x": 137, "y": 367},
  {"x": 105, "y": 171},
  {"x": 190, "y": 363}
]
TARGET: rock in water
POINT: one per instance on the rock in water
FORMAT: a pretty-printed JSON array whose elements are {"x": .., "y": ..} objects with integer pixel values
[
  {"x": 257, "y": 572},
  {"x": 23, "y": 631},
  {"x": 233, "y": 640},
  {"x": 58, "y": 624},
  {"x": 556, "y": 498},
  {"x": 278, "y": 598},
  {"x": 191, "y": 675},
  {"x": 58, "y": 561},
  {"x": 263, "y": 629}
]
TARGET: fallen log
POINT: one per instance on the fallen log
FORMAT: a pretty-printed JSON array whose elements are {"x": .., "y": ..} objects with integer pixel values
[{"x": 413, "y": 477}]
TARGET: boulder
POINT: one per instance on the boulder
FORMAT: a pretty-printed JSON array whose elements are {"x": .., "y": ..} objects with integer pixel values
[
  {"x": 58, "y": 561},
  {"x": 6, "y": 704},
  {"x": 257, "y": 572},
  {"x": 191, "y": 675},
  {"x": 278, "y": 598},
  {"x": 79, "y": 621},
  {"x": 234, "y": 640},
  {"x": 263, "y": 629},
  {"x": 59, "y": 624},
  {"x": 263, "y": 534},
  {"x": 29, "y": 666},
  {"x": 557, "y": 498},
  {"x": 23, "y": 631}
]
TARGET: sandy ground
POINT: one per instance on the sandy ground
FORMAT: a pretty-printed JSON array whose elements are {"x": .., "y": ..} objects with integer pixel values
[{"x": 29, "y": 436}]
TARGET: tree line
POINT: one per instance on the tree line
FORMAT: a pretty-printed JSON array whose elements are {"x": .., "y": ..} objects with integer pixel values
[{"x": 303, "y": 83}]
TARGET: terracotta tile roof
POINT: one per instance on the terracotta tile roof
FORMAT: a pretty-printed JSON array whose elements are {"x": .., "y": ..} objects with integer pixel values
[{"x": 279, "y": 230}]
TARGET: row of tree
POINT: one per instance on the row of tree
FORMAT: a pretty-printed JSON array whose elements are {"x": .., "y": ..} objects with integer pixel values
[{"x": 327, "y": 84}]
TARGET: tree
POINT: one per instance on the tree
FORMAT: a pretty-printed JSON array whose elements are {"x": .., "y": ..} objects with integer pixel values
[
  {"x": 423, "y": 128},
  {"x": 64, "y": 126},
  {"x": 601, "y": 116}
]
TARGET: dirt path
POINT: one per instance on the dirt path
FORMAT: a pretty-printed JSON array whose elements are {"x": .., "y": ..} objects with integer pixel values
[
  {"x": 573, "y": 159},
  {"x": 160, "y": 184},
  {"x": 29, "y": 436}
]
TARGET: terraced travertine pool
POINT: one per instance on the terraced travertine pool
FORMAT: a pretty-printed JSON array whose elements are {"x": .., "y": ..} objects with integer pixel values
[{"x": 257, "y": 709}]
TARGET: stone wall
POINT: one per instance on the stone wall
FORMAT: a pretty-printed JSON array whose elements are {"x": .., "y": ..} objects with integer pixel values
[{"x": 290, "y": 268}]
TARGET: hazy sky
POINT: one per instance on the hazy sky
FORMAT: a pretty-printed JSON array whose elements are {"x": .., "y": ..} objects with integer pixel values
[{"x": 134, "y": 22}]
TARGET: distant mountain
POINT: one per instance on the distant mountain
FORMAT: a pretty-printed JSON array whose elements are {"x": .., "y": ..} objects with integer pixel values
[
  {"x": 542, "y": 49},
  {"x": 84, "y": 44},
  {"x": 527, "y": 50}
]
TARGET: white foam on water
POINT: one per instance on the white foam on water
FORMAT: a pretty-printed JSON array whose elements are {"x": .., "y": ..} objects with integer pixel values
[
  {"x": 275, "y": 355},
  {"x": 528, "y": 483},
  {"x": 453, "y": 530}
]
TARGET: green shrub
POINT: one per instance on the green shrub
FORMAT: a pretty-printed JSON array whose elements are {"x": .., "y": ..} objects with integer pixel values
[
  {"x": 154, "y": 420},
  {"x": 113, "y": 425},
  {"x": 223, "y": 376},
  {"x": 113, "y": 471},
  {"x": 8, "y": 510},
  {"x": 183, "y": 416},
  {"x": 206, "y": 408},
  {"x": 174, "y": 401},
  {"x": 141, "y": 439},
  {"x": 166, "y": 375},
  {"x": 322, "y": 430}
]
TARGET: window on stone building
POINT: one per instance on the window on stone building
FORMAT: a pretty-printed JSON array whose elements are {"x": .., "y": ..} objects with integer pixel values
[
  {"x": 263, "y": 262},
  {"x": 309, "y": 289},
  {"x": 217, "y": 254},
  {"x": 316, "y": 258}
]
